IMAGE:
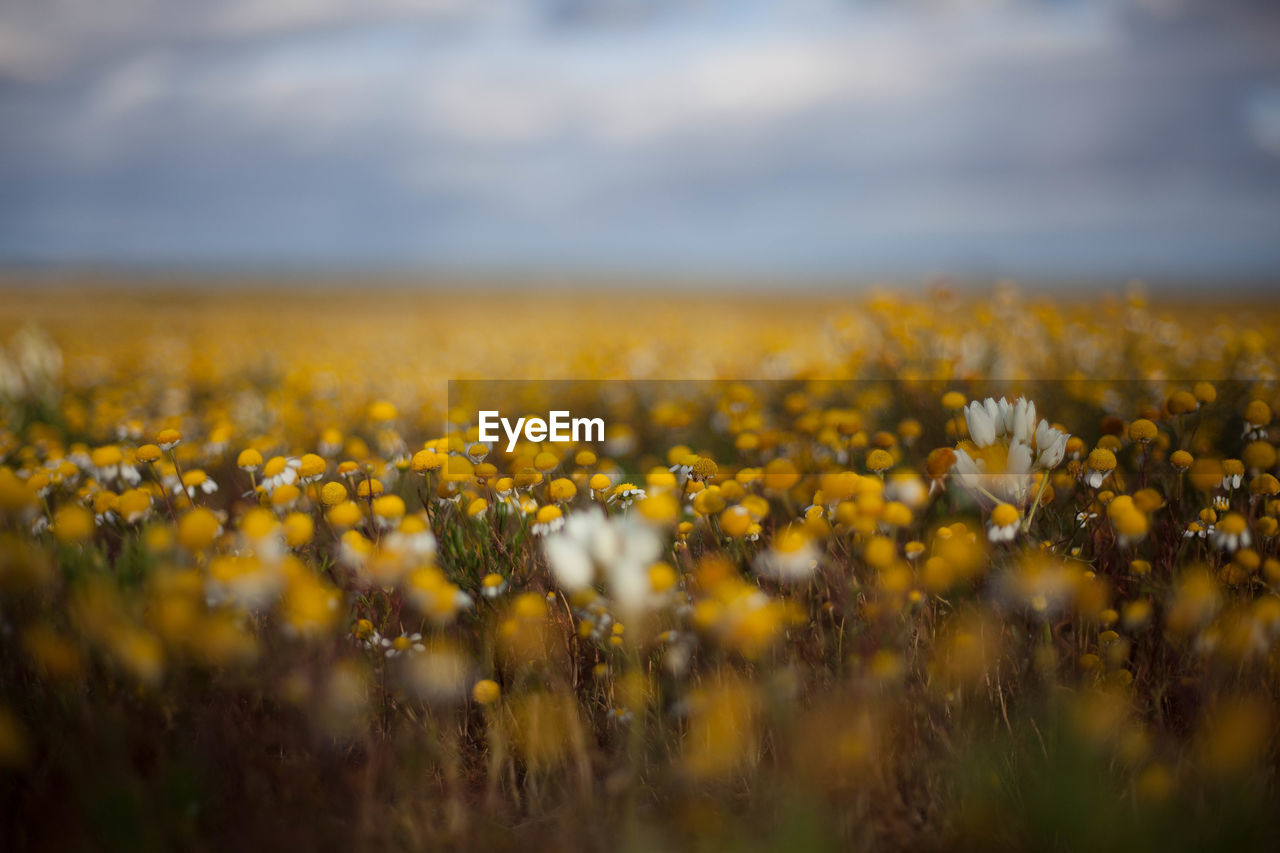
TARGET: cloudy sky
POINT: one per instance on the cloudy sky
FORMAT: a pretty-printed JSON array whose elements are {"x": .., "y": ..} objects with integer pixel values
[{"x": 812, "y": 137}]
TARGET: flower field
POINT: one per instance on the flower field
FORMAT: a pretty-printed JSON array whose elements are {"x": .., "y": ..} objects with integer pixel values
[{"x": 886, "y": 571}]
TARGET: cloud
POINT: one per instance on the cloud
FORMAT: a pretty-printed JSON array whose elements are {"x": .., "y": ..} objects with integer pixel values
[{"x": 807, "y": 136}]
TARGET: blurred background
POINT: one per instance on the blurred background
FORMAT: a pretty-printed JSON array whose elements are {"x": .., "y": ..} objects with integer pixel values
[{"x": 809, "y": 140}]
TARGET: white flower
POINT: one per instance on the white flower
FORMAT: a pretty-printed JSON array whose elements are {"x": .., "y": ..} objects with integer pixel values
[
  {"x": 1019, "y": 419},
  {"x": 206, "y": 485},
  {"x": 570, "y": 563},
  {"x": 493, "y": 586},
  {"x": 1051, "y": 444},
  {"x": 1231, "y": 533},
  {"x": 287, "y": 475},
  {"x": 252, "y": 584},
  {"x": 1028, "y": 446},
  {"x": 402, "y": 644},
  {"x": 908, "y": 488},
  {"x": 546, "y": 528},
  {"x": 791, "y": 557},
  {"x": 981, "y": 419},
  {"x": 1003, "y": 524},
  {"x": 620, "y": 550},
  {"x": 1002, "y": 533},
  {"x": 421, "y": 545},
  {"x": 627, "y": 496},
  {"x": 438, "y": 673}
]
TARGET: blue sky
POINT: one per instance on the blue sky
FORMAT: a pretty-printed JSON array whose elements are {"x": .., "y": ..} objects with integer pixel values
[{"x": 808, "y": 138}]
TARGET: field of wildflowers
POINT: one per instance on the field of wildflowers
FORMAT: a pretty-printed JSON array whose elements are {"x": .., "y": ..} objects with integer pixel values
[{"x": 885, "y": 572}]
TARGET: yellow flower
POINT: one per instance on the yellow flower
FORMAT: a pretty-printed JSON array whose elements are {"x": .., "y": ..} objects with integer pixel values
[
  {"x": 1204, "y": 392},
  {"x": 73, "y": 524},
  {"x": 704, "y": 468},
  {"x": 1142, "y": 430},
  {"x": 311, "y": 466},
  {"x": 388, "y": 509},
  {"x": 298, "y": 529},
  {"x": 1004, "y": 523},
  {"x": 661, "y": 508},
  {"x": 250, "y": 459},
  {"x": 344, "y": 514},
  {"x": 168, "y": 438},
  {"x": 198, "y": 529},
  {"x": 106, "y": 457},
  {"x": 333, "y": 493},
  {"x": 561, "y": 489},
  {"x": 1101, "y": 462},
  {"x": 370, "y": 487},
  {"x": 1181, "y": 402},
  {"x": 382, "y": 411},
  {"x": 486, "y": 691},
  {"x": 285, "y": 496},
  {"x": 426, "y": 460},
  {"x": 879, "y": 460}
]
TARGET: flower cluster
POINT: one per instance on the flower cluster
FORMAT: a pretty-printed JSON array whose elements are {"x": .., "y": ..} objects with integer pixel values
[{"x": 894, "y": 612}]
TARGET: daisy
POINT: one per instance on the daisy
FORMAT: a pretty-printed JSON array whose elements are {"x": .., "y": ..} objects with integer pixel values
[
  {"x": 1006, "y": 446},
  {"x": 311, "y": 467},
  {"x": 1231, "y": 533},
  {"x": 791, "y": 556},
  {"x": 493, "y": 585},
  {"x": 402, "y": 644},
  {"x": 279, "y": 471},
  {"x": 1232, "y": 474},
  {"x": 684, "y": 465},
  {"x": 195, "y": 481},
  {"x": 168, "y": 439},
  {"x": 1257, "y": 417},
  {"x": 1100, "y": 464},
  {"x": 1003, "y": 525},
  {"x": 249, "y": 460},
  {"x": 106, "y": 462},
  {"x": 549, "y": 519},
  {"x": 625, "y": 494},
  {"x": 620, "y": 550}
]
